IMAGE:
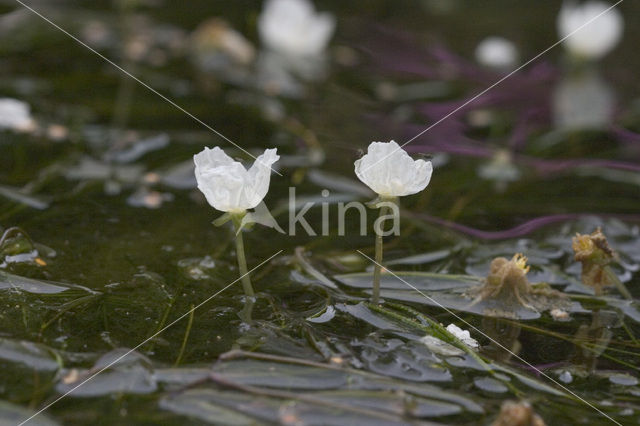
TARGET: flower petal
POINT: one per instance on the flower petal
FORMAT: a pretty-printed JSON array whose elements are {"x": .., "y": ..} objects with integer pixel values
[
  {"x": 258, "y": 178},
  {"x": 223, "y": 186},
  {"x": 391, "y": 172},
  {"x": 227, "y": 185}
]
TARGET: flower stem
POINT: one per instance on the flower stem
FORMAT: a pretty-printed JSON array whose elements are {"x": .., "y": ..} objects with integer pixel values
[
  {"x": 242, "y": 260},
  {"x": 377, "y": 269},
  {"x": 186, "y": 337}
]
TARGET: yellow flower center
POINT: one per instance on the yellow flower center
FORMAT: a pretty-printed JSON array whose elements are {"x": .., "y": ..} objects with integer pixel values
[
  {"x": 582, "y": 243},
  {"x": 520, "y": 261}
]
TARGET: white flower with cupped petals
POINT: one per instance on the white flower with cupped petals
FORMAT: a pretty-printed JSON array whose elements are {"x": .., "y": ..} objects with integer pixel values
[
  {"x": 292, "y": 27},
  {"x": 389, "y": 171},
  {"x": 595, "y": 39},
  {"x": 227, "y": 185}
]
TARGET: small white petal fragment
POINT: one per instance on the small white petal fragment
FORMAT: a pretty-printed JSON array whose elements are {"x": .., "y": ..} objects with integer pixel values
[
  {"x": 439, "y": 347},
  {"x": 389, "y": 171},
  {"x": 463, "y": 335},
  {"x": 15, "y": 115},
  {"x": 293, "y": 27},
  {"x": 595, "y": 39},
  {"x": 559, "y": 314},
  {"x": 227, "y": 185}
]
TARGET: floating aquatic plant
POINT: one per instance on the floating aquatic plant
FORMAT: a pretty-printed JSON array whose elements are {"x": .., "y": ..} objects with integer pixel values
[
  {"x": 231, "y": 188},
  {"x": 391, "y": 173},
  {"x": 507, "y": 282}
]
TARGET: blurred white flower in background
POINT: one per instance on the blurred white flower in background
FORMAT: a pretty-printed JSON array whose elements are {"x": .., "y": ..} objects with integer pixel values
[
  {"x": 292, "y": 27},
  {"x": 217, "y": 45},
  {"x": 583, "y": 101},
  {"x": 500, "y": 169},
  {"x": 462, "y": 335},
  {"x": 389, "y": 171},
  {"x": 227, "y": 185},
  {"x": 596, "y": 39},
  {"x": 497, "y": 52},
  {"x": 15, "y": 115},
  {"x": 295, "y": 37}
]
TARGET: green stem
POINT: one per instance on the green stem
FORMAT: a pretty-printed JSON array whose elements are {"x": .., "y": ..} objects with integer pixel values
[
  {"x": 242, "y": 260},
  {"x": 377, "y": 268},
  {"x": 186, "y": 337},
  {"x": 616, "y": 281}
]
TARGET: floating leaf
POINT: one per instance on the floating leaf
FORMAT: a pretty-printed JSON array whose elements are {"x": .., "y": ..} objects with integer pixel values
[
  {"x": 419, "y": 280},
  {"x": 126, "y": 373},
  {"x": 14, "y": 194},
  {"x": 32, "y": 285},
  {"x": 11, "y": 415},
  {"x": 203, "y": 404},
  {"x": 421, "y": 259},
  {"x": 274, "y": 374},
  {"x": 33, "y": 355}
]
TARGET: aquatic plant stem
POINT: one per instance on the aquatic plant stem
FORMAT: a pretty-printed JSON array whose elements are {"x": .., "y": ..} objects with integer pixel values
[
  {"x": 186, "y": 337},
  {"x": 375, "y": 297},
  {"x": 377, "y": 269},
  {"x": 616, "y": 281},
  {"x": 242, "y": 260}
]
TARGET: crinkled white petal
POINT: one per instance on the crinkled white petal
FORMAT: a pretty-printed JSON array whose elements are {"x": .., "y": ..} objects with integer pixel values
[
  {"x": 227, "y": 185},
  {"x": 389, "y": 171},
  {"x": 258, "y": 178},
  {"x": 595, "y": 39},
  {"x": 462, "y": 335},
  {"x": 294, "y": 28},
  {"x": 212, "y": 158}
]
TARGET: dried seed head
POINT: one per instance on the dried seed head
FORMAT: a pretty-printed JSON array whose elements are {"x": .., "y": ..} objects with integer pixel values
[
  {"x": 593, "y": 247},
  {"x": 517, "y": 414},
  {"x": 595, "y": 254}
]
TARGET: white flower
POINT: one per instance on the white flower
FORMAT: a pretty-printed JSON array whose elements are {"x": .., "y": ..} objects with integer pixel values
[
  {"x": 462, "y": 335},
  {"x": 293, "y": 27},
  {"x": 228, "y": 186},
  {"x": 390, "y": 172},
  {"x": 595, "y": 39},
  {"x": 496, "y": 52},
  {"x": 15, "y": 115},
  {"x": 583, "y": 101}
]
